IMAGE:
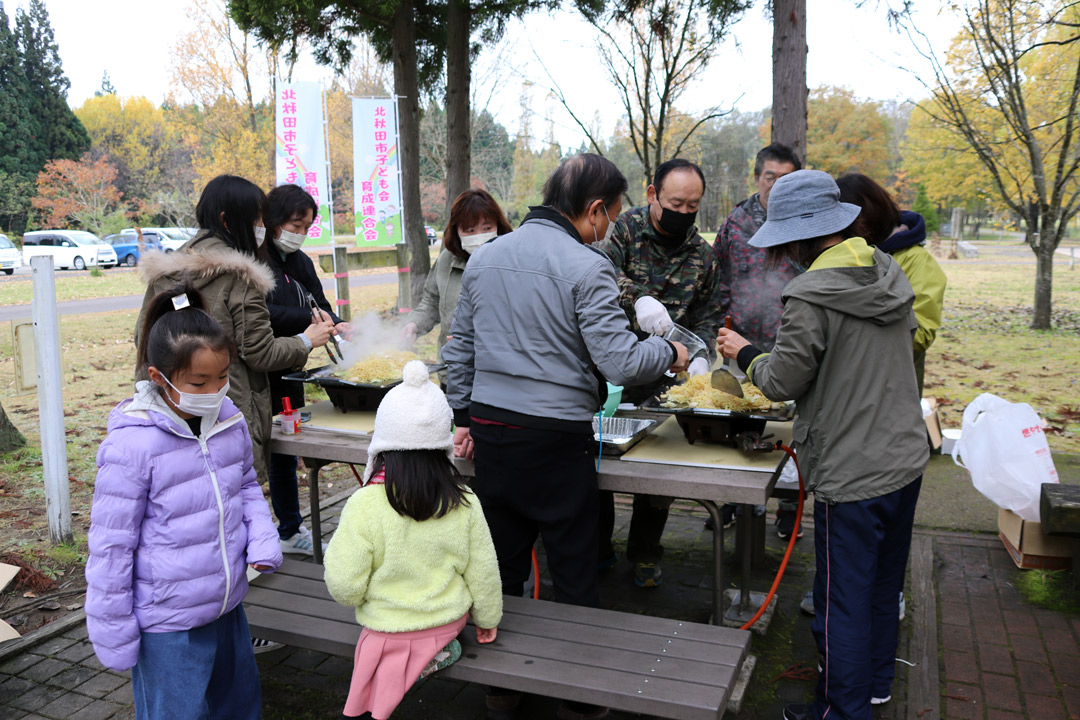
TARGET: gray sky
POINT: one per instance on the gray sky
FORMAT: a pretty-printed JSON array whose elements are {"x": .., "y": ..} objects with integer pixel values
[{"x": 848, "y": 46}]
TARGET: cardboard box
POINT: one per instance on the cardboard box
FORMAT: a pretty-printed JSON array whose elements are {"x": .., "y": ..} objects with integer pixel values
[
  {"x": 1029, "y": 547},
  {"x": 933, "y": 424}
]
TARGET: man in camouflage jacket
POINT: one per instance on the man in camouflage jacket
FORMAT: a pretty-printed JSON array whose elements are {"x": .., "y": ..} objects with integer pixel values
[{"x": 660, "y": 256}]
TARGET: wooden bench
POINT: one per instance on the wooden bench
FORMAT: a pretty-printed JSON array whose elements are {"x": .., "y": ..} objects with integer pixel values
[
  {"x": 635, "y": 663},
  {"x": 1059, "y": 509}
]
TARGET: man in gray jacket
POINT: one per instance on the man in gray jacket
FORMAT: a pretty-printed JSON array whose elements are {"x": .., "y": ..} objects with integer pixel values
[{"x": 537, "y": 329}]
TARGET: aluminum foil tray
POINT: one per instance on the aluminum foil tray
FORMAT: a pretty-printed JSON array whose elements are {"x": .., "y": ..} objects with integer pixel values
[{"x": 620, "y": 434}]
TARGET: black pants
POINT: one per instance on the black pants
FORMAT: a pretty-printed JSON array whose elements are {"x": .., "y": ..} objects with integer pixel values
[
  {"x": 646, "y": 527},
  {"x": 540, "y": 483}
]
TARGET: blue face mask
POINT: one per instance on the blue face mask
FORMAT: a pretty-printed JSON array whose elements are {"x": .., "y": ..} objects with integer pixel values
[{"x": 798, "y": 266}]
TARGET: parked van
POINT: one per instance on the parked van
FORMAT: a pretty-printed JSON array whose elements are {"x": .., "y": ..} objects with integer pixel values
[
  {"x": 10, "y": 257},
  {"x": 70, "y": 248}
]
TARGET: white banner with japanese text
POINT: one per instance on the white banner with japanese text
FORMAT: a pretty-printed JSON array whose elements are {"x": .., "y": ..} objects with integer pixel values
[
  {"x": 300, "y": 149},
  {"x": 376, "y": 172}
]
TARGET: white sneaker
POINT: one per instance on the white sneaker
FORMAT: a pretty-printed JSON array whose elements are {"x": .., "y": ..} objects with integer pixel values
[
  {"x": 880, "y": 701},
  {"x": 300, "y": 544},
  {"x": 261, "y": 645}
]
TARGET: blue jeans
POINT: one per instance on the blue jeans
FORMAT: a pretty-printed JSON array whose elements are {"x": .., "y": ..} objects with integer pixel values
[
  {"x": 284, "y": 494},
  {"x": 862, "y": 552},
  {"x": 206, "y": 673}
]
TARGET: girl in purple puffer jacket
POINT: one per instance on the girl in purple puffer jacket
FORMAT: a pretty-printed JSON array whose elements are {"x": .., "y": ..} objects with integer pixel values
[{"x": 177, "y": 518}]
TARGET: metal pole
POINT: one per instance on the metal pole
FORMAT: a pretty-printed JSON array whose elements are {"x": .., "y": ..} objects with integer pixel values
[
  {"x": 343, "y": 310},
  {"x": 404, "y": 290},
  {"x": 403, "y": 301},
  {"x": 341, "y": 280},
  {"x": 54, "y": 462}
]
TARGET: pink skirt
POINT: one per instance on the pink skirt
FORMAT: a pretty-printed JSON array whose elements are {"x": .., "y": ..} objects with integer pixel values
[{"x": 387, "y": 665}]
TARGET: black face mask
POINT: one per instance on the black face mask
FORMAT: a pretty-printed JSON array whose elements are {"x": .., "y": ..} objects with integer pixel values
[{"x": 675, "y": 223}]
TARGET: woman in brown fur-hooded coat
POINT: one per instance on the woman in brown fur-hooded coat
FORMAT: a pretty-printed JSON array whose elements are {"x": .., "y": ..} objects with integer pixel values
[{"x": 234, "y": 285}]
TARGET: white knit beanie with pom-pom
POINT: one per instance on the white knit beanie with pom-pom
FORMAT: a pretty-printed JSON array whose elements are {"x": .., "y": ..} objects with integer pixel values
[{"x": 413, "y": 416}]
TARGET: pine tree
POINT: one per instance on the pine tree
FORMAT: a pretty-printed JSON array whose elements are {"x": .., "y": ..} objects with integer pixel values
[
  {"x": 924, "y": 207},
  {"x": 20, "y": 160},
  {"x": 59, "y": 134}
]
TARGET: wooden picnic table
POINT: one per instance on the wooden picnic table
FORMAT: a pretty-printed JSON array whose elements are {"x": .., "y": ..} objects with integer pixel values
[{"x": 708, "y": 486}]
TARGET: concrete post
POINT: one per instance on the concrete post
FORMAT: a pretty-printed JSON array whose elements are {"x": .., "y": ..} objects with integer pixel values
[{"x": 51, "y": 400}]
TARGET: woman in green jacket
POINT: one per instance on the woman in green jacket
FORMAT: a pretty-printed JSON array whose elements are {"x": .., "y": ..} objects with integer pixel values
[
  {"x": 844, "y": 355},
  {"x": 475, "y": 218},
  {"x": 225, "y": 262}
]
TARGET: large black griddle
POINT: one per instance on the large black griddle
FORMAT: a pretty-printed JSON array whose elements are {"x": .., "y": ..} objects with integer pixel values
[
  {"x": 736, "y": 428},
  {"x": 347, "y": 395}
]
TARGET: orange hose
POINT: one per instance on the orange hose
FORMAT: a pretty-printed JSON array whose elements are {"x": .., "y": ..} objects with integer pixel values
[
  {"x": 790, "y": 545},
  {"x": 536, "y": 575}
]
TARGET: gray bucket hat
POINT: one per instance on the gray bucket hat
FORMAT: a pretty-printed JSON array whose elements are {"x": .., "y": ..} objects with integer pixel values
[{"x": 804, "y": 204}]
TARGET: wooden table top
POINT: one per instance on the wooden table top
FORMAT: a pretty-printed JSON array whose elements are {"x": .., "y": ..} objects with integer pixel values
[{"x": 719, "y": 485}]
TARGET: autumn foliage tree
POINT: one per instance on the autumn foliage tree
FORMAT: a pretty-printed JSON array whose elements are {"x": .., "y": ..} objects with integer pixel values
[
  {"x": 845, "y": 134},
  {"x": 77, "y": 193},
  {"x": 1009, "y": 89},
  {"x": 225, "y": 76}
]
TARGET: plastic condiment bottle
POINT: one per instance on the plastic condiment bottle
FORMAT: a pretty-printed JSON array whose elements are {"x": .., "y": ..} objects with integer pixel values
[{"x": 290, "y": 419}]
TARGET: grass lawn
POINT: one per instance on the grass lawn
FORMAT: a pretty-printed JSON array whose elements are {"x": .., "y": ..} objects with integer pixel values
[
  {"x": 985, "y": 346},
  {"x": 70, "y": 285}
]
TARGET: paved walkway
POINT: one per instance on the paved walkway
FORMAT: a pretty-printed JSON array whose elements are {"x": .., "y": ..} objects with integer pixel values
[{"x": 994, "y": 656}]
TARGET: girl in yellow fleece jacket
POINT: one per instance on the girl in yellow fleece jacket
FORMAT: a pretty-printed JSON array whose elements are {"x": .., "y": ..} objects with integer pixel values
[{"x": 412, "y": 552}]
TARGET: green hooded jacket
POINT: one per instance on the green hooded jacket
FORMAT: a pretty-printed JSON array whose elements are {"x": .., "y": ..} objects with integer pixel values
[{"x": 844, "y": 355}]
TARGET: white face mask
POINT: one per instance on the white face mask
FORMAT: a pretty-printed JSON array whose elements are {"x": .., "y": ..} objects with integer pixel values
[
  {"x": 469, "y": 243},
  {"x": 200, "y": 404},
  {"x": 610, "y": 227},
  {"x": 289, "y": 242},
  {"x": 260, "y": 236}
]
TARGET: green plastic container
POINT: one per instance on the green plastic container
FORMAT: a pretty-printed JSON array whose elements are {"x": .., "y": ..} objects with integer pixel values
[{"x": 614, "y": 397}]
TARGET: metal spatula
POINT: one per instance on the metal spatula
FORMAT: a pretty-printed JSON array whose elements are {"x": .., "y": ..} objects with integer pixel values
[{"x": 723, "y": 380}]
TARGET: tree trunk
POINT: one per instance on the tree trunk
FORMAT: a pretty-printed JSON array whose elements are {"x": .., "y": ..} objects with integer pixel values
[
  {"x": 1044, "y": 281},
  {"x": 458, "y": 137},
  {"x": 407, "y": 88},
  {"x": 10, "y": 437},
  {"x": 789, "y": 75}
]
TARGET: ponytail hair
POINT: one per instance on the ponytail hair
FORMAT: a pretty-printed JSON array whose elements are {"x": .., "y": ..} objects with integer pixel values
[
  {"x": 175, "y": 327},
  {"x": 420, "y": 484}
]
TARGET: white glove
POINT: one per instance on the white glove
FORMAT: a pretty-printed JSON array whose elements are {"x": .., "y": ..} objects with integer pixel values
[
  {"x": 698, "y": 366},
  {"x": 652, "y": 316}
]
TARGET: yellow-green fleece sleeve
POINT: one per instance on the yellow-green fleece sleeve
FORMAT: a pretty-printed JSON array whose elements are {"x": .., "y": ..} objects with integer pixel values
[
  {"x": 347, "y": 564},
  {"x": 482, "y": 573},
  {"x": 928, "y": 281}
]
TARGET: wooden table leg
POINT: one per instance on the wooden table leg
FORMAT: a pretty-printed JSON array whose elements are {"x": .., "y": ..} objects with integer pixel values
[
  {"x": 313, "y": 467},
  {"x": 718, "y": 561}
]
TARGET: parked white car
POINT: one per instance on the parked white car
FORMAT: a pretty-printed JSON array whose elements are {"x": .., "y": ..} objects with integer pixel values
[
  {"x": 10, "y": 257},
  {"x": 70, "y": 248}
]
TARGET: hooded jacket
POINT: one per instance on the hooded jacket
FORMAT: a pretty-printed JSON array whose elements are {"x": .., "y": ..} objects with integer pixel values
[
  {"x": 843, "y": 354},
  {"x": 234, "y": 286},
  {"x": 175, "y": 521}
]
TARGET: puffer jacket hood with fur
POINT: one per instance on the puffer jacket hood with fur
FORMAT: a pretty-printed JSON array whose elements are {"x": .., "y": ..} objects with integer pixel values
[{"x": 234, "y": 286}]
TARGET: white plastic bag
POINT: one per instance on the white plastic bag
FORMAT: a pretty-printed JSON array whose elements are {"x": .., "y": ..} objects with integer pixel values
[{"x": 1003, "y": 447}]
